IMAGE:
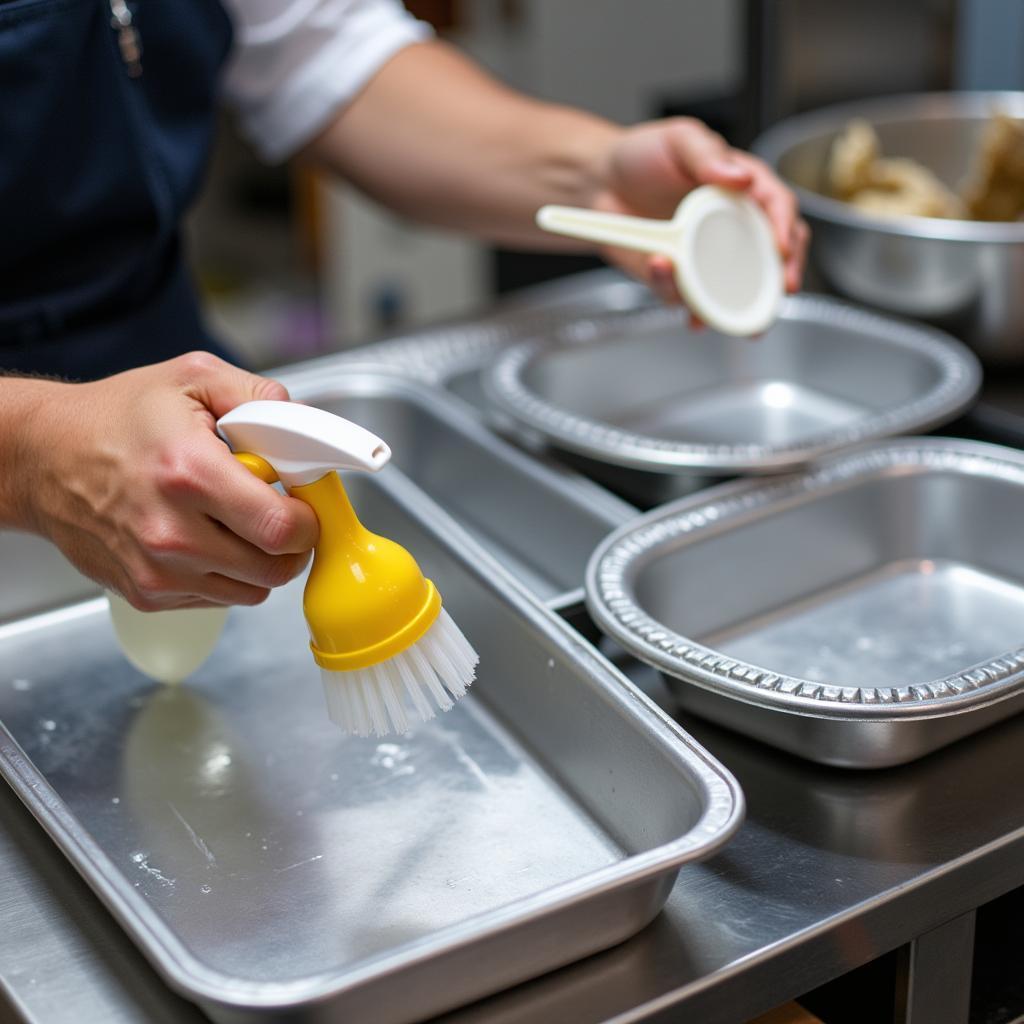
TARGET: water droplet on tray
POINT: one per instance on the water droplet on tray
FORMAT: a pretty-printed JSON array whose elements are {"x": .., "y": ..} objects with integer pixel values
[{"x": 388, "y": 755}]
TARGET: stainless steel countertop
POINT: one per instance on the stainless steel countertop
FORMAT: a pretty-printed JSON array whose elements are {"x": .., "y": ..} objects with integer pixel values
[{"x": 831, "y": 869}]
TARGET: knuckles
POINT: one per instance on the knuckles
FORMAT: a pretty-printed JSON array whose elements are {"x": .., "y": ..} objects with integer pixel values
[
  {"x": 277, "y": 529},
  {"x": 282, "y": 569},
  {"x": 270, "y": 389},
  {"x": 160, "y": 537},
  {"x": 135, "y": 598},
  {"x": 199, "y": 364},
  {"x": 686, "y": 123},
  {"x": 148, "y": 590},
  {"x": 179, "y": 473}
]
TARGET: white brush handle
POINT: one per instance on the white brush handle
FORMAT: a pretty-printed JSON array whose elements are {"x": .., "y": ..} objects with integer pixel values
[
  {"x": 652, "y": 236},
  {"x": 300, "y": 442}
]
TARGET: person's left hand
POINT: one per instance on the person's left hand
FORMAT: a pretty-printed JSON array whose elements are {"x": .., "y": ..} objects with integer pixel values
[{"x": 652, "y": 166}]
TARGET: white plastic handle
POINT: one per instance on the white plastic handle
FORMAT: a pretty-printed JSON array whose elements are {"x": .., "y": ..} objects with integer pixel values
[
  {"x": 726, "y": 264},
  {"x": 653, "y": 236},
  {"x": 300, "y": 442}
]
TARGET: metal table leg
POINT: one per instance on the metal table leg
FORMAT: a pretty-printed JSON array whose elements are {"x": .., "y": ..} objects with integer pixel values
[{"x": 933, "y": 983}]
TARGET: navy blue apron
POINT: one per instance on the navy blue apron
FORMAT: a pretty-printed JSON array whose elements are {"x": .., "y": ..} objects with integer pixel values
[{"x": 97, "y": 165}]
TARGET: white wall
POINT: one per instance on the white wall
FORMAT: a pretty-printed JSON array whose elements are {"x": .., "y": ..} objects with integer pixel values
[{"x": 615, "y": 57}]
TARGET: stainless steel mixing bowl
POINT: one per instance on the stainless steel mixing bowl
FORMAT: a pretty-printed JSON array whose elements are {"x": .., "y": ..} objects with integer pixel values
[{"x": 964, "y": 276}]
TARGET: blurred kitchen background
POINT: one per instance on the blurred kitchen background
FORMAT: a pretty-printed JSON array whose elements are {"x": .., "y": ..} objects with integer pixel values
[{"x": 293, "y": 267}]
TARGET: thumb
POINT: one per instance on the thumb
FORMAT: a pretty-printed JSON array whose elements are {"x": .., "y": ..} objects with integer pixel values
[
  {"x": 705, "y": 156},
  {"x": 220, "y": 386},
  {"x": 723, "y": 171}
]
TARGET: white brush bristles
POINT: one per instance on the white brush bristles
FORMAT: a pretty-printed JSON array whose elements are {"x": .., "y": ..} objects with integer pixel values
[{"x": 387, "y": 698}]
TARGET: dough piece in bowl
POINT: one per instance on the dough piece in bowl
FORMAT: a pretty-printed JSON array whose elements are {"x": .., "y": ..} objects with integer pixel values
[
  {"x": 852, "y": 157},
  {"x": 889, "y": 187},
  {"x": 902, "y": 187},
  {"x": 995, "y": 188}
]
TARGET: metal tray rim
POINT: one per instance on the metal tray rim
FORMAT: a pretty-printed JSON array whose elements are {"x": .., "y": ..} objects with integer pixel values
[
  {"x": 372, "y": 379},
  {"x": 432, "y": 355},
  {"x": 958, "y": 385},
  {"x": 613, "y": 605},
  {"x": 722, "y": 815},
  {"x": 190, "y": 976}
]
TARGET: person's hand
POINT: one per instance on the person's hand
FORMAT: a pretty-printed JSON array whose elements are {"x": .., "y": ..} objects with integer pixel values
[
  {"x": 128, "y": 477},
  {"x": 652, "y": 166}
]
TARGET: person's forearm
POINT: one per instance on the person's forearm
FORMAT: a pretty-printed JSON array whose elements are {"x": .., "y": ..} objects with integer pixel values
[
  {"x": 20, "y": 402},
  {"x": 435, "y": 137}
]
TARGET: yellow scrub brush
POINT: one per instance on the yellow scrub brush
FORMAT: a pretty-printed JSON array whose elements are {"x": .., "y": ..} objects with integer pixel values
[{"x": 388, "y": 652}]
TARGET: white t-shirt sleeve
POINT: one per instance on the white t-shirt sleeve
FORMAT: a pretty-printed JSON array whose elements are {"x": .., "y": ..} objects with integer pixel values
[{"x": 296, "y": 63}]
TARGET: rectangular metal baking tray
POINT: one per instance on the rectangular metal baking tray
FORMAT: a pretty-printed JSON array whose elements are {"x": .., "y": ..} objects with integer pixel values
[
  {"x": 539, "y": 520},
  {"x": 268, "y": 865},
  {"x": 638, "y": 398},
  {"x": 861, "y": 614}
]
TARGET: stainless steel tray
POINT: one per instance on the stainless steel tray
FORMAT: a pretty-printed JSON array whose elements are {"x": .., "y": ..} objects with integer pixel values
[
  {"x": 862, "y": 614},
  {"x": 541, "y": 521},
  {"x": 452, "y": 356},
  {"x": 640, "y": 390},
  {"x": 267, "y": 865}
]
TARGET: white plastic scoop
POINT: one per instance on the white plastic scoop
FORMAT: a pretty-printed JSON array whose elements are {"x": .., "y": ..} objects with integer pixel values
[{"x": 727, "y": 267}]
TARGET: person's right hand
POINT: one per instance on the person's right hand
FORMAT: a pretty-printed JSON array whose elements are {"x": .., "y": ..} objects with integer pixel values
[
  {"x": 128, "y": 477},
  {"x": 650, "y": 167}
]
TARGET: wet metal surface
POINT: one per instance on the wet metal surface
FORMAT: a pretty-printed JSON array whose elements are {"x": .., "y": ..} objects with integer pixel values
[
  {"x": 862, "y": 614},
  {"x": 264, "y": 860},
  {"x": 830, "y": 869},
  {"x": 639, "y": 390}
]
